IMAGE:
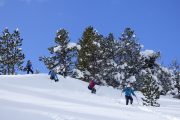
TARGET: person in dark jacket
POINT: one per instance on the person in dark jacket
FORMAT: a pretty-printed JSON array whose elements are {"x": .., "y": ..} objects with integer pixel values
[
  {"x": 128, "y": 93},
  {"x": 29, "y": 67},
  {"x": 53, "y": 76},
  {"x": 91, "y": 86}
]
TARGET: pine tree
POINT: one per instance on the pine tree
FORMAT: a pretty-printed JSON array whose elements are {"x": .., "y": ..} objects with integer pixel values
[
  {"x": 108, "y": 65},
  {"x": 62, "y": 54},
  {"x": 2, "y": 69},
  {"x": 148, "y": 60},
  {"x": 88, "y": 55},
  {"x": 18, "y": 55},
  {"x": 165, "y": 79},
  {"x": 175, "y": 67},
  {"x": 128, "y": 59},
  {"x": 12, "y": 57},
  {"x": 150, "y": 90}
]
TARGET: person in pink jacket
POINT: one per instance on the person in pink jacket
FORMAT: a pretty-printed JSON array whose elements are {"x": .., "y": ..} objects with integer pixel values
[{"x": 91, "y": 86}]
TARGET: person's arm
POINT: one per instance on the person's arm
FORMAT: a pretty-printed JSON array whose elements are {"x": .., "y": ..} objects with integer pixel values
[
  {"x": 97, "y": 82},
  {"x": 123, "y": 90},
  {"x": 132, "y": 91},
  {"x": 31, "y": 66}
]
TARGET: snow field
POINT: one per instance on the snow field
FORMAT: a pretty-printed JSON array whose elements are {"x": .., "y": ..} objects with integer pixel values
[{"x": 36, "y": 97}]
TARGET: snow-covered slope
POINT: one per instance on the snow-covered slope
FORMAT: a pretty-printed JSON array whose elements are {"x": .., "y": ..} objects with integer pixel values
[{"x": 36, "y": 97}]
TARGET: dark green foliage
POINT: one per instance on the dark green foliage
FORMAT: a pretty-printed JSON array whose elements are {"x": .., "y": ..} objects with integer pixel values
[
  {"x": 61, "y": 54},
  {"x": 11, "y": 56},
  {"x": 146, "y": 63},
  {"x": 88, "y": 55},
  {"x": 150, "y": 90},
  {"x": 175, "y": 67},
  {"x": 110, "y": 61},
  {"x": 108, "y": 65},
  {"x": 165, "y": 80}
]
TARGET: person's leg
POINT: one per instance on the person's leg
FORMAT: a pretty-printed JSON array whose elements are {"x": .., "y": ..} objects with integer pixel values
[
  {"x": 51, "y": 77},
  {"x": 127, "y": 99},
  {"x": 89, "y": 88},
  {"x": 94, "y": 90},
  {"x": 131, "y": 99},
  {"x": 27, "y": 70},
  {"x": 56, "y": 80},
  {"x": 31, "y": 71}
]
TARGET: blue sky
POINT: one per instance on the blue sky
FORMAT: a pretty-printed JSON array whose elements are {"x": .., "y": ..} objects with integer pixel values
[{"x": 156, "y": 22}]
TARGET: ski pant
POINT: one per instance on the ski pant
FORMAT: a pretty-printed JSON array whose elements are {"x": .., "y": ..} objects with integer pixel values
[
  {"x": 93, "y": 90},
  {"x": 53, "y": 78},
  {"x": 29, "y": 70},
  {"x": 129, "y": 98}
]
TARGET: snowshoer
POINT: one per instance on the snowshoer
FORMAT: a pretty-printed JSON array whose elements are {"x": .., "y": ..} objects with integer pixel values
[
  {"x": 128, "y": 91},
  {"x": 91, "y": 86},
  {"x": 29, "y": 67},
  {"x": 53, "y": 76}
]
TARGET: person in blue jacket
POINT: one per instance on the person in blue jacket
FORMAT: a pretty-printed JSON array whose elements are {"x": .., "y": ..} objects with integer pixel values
[
  {"x": 53, "y": 76},
  {"x": 128, "y": 93},
  {"x": 29, "y": 67}
]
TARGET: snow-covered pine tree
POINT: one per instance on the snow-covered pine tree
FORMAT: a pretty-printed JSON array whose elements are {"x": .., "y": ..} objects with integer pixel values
[
  {"x": 175, "y": 67},
  {"x": 61, "y": 54},
  {"x": 88, "y": 55},
  {"x": 148, "y": 60},
  {"x": 150, "y": 90},
  {"x": 5, "y": 51},
  {"x": 18, "y": 55},
  {"x": 1, "y": 63},
  {"x": 12, "y": 56},
  {"x": 165, "y": 79},
  {"x": 1, "y": 58},
  {"x": 128, "y": 59},
  {"x": 108, "y": 65}
]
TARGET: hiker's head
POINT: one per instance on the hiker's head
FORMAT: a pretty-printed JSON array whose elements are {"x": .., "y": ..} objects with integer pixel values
[{"x": 130, "y": 85}]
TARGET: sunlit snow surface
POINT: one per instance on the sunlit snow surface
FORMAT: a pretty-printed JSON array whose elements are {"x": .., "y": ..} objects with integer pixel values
[{"x": 36, "y": 97}]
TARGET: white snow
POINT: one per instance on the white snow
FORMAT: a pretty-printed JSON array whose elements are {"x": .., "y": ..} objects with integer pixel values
[
  {"x": 147, "y": 53},
  {"x": 128, "y": 44},
  {"x": 134, "y": 35},
  {"x": 112, "y": 62},
  {"x": 123, "y": 66},
  {"x": 17, "y": 29},
  {"x": 58, "y": 48},
  {"x": 131, "y": 79},
  {"x": 119, "y": 76},
  {"x": 78, "y": 47},
  {"x": 165, "y": 69},
  {"x": 96, "y": 43},
  {"x": 70, "y": 46},
  {"x": 59, "y": 36},
  {"x": 143, "y": 72},
  {"x": 6, "y": 34},
  {"x": 19, "y": 48},
  {"x": 142, "y": 46},
  {"x": 155, "y": 78},
  {"x": 36, "y": 97},
  {"x": 79, "y": 73}
]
